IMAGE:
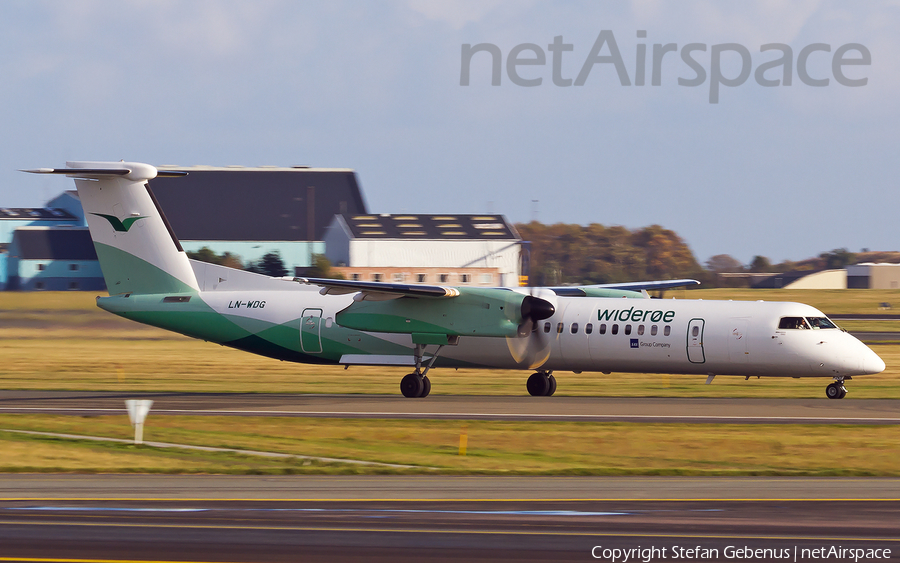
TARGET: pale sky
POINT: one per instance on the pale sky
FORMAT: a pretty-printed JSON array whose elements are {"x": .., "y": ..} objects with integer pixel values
[{"x": 786, "y": 171}]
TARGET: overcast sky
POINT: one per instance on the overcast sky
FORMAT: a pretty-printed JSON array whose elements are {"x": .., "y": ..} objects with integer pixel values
[{"x": 784, "y": 171}]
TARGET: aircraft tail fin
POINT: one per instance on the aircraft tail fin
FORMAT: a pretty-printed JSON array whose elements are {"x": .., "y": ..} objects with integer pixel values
[{"x": 137, "y": 249}]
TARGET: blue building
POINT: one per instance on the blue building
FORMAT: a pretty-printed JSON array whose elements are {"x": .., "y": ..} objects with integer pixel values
[
  {"x": 53, "y": 258},
  {"x": 62, "y": 212}
]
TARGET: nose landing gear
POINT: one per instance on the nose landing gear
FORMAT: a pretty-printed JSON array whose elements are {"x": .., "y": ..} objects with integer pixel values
[
  {"x": 836, "y": 390},
  {"x": 541, "y": 384}
]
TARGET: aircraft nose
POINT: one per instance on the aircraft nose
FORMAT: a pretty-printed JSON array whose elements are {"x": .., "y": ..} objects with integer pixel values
[{"x": 872, "y": 363}]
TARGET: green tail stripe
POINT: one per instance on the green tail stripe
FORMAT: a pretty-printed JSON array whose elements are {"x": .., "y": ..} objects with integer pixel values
[{"x": 126, "y": 273}]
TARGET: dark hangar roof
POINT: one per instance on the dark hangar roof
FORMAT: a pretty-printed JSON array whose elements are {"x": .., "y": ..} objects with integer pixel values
[
  {"x": 36, "y": 214},
  {"x": 36, "y": 243},
  {"x": 429, "y": 227},
  {"x": 265, "y": 203}
]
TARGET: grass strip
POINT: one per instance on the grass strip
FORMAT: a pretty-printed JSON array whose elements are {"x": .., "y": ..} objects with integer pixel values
[{"x": 493, "y": 448}]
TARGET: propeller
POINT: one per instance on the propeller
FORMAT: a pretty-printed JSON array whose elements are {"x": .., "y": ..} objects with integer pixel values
[
  {"x": 534, "y": 309},
  {"x": 530, "y": 348}
]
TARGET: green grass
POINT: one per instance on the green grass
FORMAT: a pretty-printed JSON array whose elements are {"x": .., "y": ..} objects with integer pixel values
[{"x": 495, "y": 448}]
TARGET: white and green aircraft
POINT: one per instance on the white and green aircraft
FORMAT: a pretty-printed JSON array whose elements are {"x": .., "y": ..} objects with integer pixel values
[{"x": 601, "y": 328}]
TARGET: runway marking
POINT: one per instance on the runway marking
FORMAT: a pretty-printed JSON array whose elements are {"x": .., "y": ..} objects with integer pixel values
[
  {"x": 341, "y": 510},
  {"x": 70, "y": 560},
  {"x": 398, "y": 499},
  {"x": 463, "y": 415},
  {"x": 529, "y": 532}
]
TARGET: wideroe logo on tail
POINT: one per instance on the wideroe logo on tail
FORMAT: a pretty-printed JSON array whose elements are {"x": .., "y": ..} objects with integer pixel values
[
  {"x": 629, "y": 314},
  {"x": 121, "y": 226}
]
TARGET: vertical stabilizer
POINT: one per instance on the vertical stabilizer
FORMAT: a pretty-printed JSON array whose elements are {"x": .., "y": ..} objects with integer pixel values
[{"x": 137, "y": 249}]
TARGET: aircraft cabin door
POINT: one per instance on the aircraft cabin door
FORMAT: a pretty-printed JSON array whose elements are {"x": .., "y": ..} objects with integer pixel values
[
  {"x": 695, "y": 342},
  {"x": 311, "y": 331}
]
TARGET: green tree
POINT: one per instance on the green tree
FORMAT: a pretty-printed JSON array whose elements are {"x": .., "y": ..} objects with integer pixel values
[
  {"x": 206, "y": 254},
  {"x": 321, "y": 268},
  {"x": 270, "y": 264}
]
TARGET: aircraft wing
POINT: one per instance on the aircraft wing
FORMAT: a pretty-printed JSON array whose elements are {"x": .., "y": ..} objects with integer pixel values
[
  {"x": 637, "y": 286},
  {"x": 379, "y": 291}
]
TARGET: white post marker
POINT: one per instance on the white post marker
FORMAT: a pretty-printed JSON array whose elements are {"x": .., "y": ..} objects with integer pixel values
[{"x": 137, "y": 412}]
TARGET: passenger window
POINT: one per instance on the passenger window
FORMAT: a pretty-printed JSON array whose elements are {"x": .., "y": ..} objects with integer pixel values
[
  {"x": 627, "y": 330},
  {"x": 546, "y": 327},
  {"x": 653, "y": 330},
  {"x": 640, "y": 330},
  {"x": 588, "y": 328},
  {"x": 602, "y": 329},
  {"x": 667, "y": 330},
  {"x": 574, "y": 328},
  {"x": 695, "y": 332},
  {"x": 615, "y": 329},
  {"x": 559, "y": 328},
  {"x": 792, "y": 323}
]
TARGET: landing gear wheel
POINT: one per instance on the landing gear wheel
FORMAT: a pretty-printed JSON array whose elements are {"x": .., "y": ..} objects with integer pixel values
[
  {"x": 426, "y": 388},
  {"x": 541, "y": 384},
  {"x": 412, "y": 385},
  {"x": 835, "y": 391}
]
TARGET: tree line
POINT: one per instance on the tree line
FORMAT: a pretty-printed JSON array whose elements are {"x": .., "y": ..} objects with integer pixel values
[{"x": 562, "y": 253}]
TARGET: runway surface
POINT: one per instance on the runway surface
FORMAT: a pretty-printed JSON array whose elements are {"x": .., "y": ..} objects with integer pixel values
[
  {"x": 613, "y": 409},
  {"x": 204, "y": 518}
]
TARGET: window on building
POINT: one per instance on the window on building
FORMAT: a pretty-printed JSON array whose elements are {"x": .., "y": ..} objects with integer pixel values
[
  {"x": 444, "y": 278},
  {"x": 464, "y": 278},
  {"x": 354, "y": 277},
  {"x": 588, "y": 328},
  {"x": 39, "y": 285},
  {"x": 73, "y": 285},
  {"x": 421, "y": 278},
  {"x": 377, "y": 277},
  {"x": 487, "y": 279},
  {"x": 41, "y": 267},
  {"x": 73, "y": 267},
  {"x": 399, "y": 277},
  {"x": 574, "y": 328}
]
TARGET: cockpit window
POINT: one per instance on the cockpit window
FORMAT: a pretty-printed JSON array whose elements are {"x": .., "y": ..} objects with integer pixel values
[
  {"x": 820, "y": 322},
  {"x": 793, "y": 323}
]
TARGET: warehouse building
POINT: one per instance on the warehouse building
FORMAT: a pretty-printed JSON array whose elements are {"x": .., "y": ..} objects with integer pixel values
[
  {"x": 436, "y": 249},
  {"x": 250, "y": 212}
]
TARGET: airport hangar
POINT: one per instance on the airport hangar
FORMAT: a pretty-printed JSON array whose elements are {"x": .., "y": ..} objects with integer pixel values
[{"x": 251, "y": 211}]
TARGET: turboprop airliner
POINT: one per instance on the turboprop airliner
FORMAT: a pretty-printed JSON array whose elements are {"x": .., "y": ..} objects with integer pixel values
[{"x": 601, "y": 328}]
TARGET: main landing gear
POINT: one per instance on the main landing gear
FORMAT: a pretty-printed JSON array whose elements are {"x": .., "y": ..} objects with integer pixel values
[
  {"x": 541, "y": 384},
  {"x": 836, "y": 390},
  {"x": 417, "y": 384}
]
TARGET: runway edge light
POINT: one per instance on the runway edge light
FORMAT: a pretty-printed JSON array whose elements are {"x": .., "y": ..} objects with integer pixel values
[{"x": 137, "y": 412}]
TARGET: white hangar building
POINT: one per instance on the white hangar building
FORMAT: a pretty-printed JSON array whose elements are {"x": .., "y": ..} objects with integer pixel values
[{"x": 483, "y": 250}]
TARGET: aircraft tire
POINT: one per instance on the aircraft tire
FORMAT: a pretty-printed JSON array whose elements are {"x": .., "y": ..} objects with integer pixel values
[
  {"x": 833, "y": 391},
  {"x": 412, "y": 385},
  {"x": 843, "y": 392},
  {"x": 552, "y": 388},
  {"x": 538, "y": 384},
  {"x": 426, "y": 387}
]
